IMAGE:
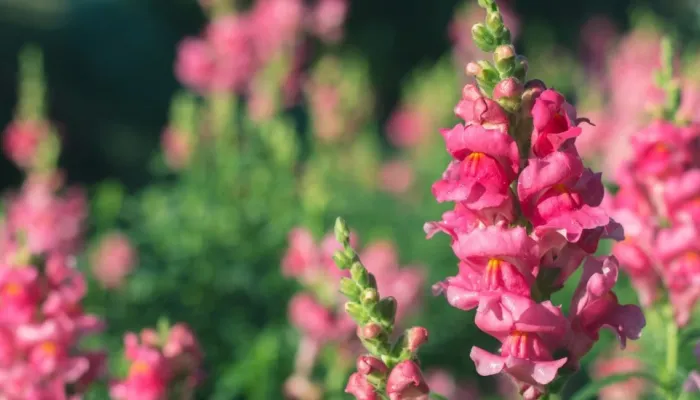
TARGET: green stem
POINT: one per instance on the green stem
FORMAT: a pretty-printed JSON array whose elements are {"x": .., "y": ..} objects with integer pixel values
[{"x": 671, "y": 349}]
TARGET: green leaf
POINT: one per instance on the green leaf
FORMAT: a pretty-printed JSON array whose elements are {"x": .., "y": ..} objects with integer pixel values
[
  {"x": 435, "y": 396},
  {"x": 592, "y": 390}
]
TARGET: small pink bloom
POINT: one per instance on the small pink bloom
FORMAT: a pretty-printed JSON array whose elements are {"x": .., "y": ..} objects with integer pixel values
[
  {"x": 113, "y": 260},
  {"x": 444, "y": 384},
  {"x": 477, "y": 109},
  {"x": 22, "y": 139},
  {"x": 620, "y": 364},
  {"x": 370, "y": 365},
  {"x": 458, "y": 221},
  {"x": 148, "y": 374},
  {"x": 19, "y": 294},
  {"x": 182, "y": 351},
  {"x": 327, "y": 19},
  {"x": 486, "y": 163},
  {"x": 660, "y": 150},
  {"x": 406, "y": 382},
  {"x": 233, "y": 46},
  {"x": 682, "y": 196},
  {"x": 494, "y": 260},
  {"x": 301, "y": 254},
  {"x": 316, "y": 321},
  {"x": 277, "y": 23},
  {"x": 416, "y": 337},
  {"x": 177, "y": 148},
  {"x": 678, "y": 250},
  {"x": 360, "y": 388},
  {"x": 195, "y": 64},
  {"x": 396, "y": 177},
  {"x": 557, "y": 194},
  {"x": 595, "y": 305},
  {"x": 407, "y": 127},
  {"x": 554, "y": 122}
]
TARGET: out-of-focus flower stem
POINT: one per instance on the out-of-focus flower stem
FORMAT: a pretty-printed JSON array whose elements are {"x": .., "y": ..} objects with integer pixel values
[{"x": 671, "y": 349}]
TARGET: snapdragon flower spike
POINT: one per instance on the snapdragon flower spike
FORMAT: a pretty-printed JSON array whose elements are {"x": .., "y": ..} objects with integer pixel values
[
  {"x": 527, "y": 214},
  {"x": 165, "y": 365},
  {"x": 390, "y": 370}
]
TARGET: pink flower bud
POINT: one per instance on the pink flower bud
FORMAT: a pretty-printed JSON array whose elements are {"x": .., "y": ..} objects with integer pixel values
[
  {"x": 359, "y": 387},
  {"x": 406, "y": 382},
  {"x": 416, "y": 337},
  {"x": 22, "y": 140},
  {"x": 113, "y": 260},
  {"x": 508, "y": 88},
  {"x": 370, "y": 365},
  {"x": 370, "y": 331}
]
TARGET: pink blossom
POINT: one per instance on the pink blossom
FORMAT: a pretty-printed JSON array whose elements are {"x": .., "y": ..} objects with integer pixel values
[
  {"x": 113, "y": 260},
  {"x": 476, "y": 109},
  {"x": 530, "y": 333},
  {"x": 276, "y": 22},
  {"x": 407, "y": 127},
  {"x": 494, "y": 260},
  {"x": 554, "y": 121},
  {"x": 22, "y": 140},
  {"x": 456, "y": 221},
  {"x": 404, "y": 284},
  {"x": 557, "y": 194},
  {"x": 19, "y": 294},
  {"x": 195, "y": 64},
  {"x": 183, "y": 352},
  {"x": 396, "y": 177},
  {"x": 486, "y": 162},
  {"x": 678, "y": 250},
  {"x": 682, "y": 197},
  {"x": 619, "y": 364},
  {"x": 148, "y": 374},
  {"x": 177, "y": 148},
  {"x": 317, "y": 321},
  {"x": 406, "y": 382},
  {"x": 661, "y": 149},
  {"x": 360, "y": 388},
  {"x": 595, "y": 305},
  {"x": 327, "y": 19}
]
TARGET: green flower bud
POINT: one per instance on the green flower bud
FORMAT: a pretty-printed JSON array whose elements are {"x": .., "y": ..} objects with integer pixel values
[
  {"x": 483, "y": 38},
  {"x": 357, "y": 312},
  {"x": 369, "y": 297},
  {"x": 349, "y": 288},
  {"x": 342, "y": 233},
  {"x": 386, "y": 308},
  {"x": 359, "y": 274}
]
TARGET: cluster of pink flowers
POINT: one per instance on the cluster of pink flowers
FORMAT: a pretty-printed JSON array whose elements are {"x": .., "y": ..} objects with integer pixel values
[
  {"x": 234, "y": 47},
  {"x": 41, "y": 318},
  {"x": 657, "y": 204},
  {"x": 162, "y": 365},
  {"x": 317, "y": 312},
  {"x": 527, "y": 214}
]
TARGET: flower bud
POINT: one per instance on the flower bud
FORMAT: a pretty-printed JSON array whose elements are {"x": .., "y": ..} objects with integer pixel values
[
  {"x": 494, "y": 22},
  {"x": 508, "y": 88},
  {"x": 415, "y": 338},
  {"x": 360, "y": 388},
  {"x": 387, "y": 310},
  {"x": 370, "y": 365},
  {"x": 504, "y": 58},
  {"x": 349, "y": 288},
  {"x": 406, "y": 382},
  {"x": 483, "y": 38},
  {"x": 370, "y": 331},
  {"x": 370, "y": 296},
  {"x": 342, "y": 233},
  {"x": 532, "y": 91},
  {"x": 341, "y": 260},
  {"x": 359, "y": 274},
  {"x": 357, "y": 312}
]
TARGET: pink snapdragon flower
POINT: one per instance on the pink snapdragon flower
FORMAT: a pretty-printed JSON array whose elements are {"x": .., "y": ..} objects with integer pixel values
[
  {"x": 406, "y": 382},
  {"x": 113, "y": 260},
  {"x": 595, "y": 306},
  {"x": 407, "y": 127},
  {"x": 159, "y": 367},
  {"x": 21, "y": 141},
  {"x": 527, "y": 214},
  {"x": 619, "y": 364}
]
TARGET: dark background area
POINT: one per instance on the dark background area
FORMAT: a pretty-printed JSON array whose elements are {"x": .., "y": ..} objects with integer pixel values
[{"x": 109, "y": 62}]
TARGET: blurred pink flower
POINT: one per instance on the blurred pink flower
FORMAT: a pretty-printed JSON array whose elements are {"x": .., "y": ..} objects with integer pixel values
[
  {"x": 632, "y": 388},
  {"x": 327, "y": 18},
  {"x": 177, "y": 148},
  {"x": 396, "y": 177},
  {"x": 407, "y": 127},
  {"x": 22, "y": 139},
  {"x": 113, "y": 260}
]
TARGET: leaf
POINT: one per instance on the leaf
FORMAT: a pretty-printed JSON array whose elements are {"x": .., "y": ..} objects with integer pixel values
[
  {"x": 435, "y": 396},
  {"x": 592, "y": 390}
]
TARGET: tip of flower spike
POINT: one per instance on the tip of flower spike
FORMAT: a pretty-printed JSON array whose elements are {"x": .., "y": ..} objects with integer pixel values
[{"x": 342, "y": 233}]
